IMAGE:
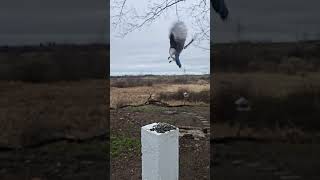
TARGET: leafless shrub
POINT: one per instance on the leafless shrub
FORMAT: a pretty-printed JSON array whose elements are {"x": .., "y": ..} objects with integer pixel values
[
  {"x": 131, "y": 82},
  {"x": 201, "y": 96}
]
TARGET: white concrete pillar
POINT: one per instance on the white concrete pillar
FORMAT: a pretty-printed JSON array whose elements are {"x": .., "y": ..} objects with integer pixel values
[{"x": 160, "y": 152}]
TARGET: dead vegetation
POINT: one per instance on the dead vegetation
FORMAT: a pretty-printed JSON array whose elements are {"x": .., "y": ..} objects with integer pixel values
[
  {"x": 193, "y": 96},
  {"x": 164, "y": 89}
]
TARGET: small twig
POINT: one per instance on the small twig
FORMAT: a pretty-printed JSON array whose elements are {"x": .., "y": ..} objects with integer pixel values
[{"x": 148, "y": 100}]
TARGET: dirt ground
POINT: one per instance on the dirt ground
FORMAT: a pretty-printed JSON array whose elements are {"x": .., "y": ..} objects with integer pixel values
[
  {"x": 194, "y": 152},
  {"x": 61, "y": 160},
  {"x": 265, "y": 161},
  {"x": 264, "y": 154},
  {"x": 237, "y": 159}
]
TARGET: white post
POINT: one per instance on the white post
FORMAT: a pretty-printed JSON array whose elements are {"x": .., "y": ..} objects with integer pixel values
[{"x": 160, "y": 152}]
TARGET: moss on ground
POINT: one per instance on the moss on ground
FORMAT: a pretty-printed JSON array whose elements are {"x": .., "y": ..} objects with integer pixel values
[{"x": 121, "y": 145}]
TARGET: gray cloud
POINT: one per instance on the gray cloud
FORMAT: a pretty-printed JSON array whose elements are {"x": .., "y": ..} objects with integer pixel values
[{"x": 40, "y": 20}]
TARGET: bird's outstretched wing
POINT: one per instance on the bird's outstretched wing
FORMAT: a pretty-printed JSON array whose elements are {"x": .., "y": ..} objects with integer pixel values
[{"x": 173, "y": 43}]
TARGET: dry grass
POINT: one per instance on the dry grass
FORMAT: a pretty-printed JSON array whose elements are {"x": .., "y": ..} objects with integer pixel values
[
  {"x": 136, "y": 89},
  {"x": 138, "y": 95},
  {"x": 192, "y": 96},
  {"x": 272, "y": 84}
]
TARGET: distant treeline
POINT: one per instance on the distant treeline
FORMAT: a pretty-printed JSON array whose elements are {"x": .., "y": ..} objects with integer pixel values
[
  {"x": 149, "y": 80},
  {"x": 50, "y": 46},
  {"x": 289, "y": 58},
  {"x": 51, "y": 62}
]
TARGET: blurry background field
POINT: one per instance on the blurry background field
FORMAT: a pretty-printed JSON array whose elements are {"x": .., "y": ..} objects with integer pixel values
[
  {"x": 280, "y": 135},
  {"x": 31, "y": 113},
  {"x": 50, "y": 90},
  {"x": 53, "y": 111},
  {"x": 51, "y": 62},
  {"x": 280, "y": 80}
]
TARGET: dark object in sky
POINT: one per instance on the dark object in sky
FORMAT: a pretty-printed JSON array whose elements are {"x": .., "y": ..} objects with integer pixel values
[
  {"x": 220, "y": 7},
  {"x": 177, "y": 36},
  {"x": 178, "y": 32}
]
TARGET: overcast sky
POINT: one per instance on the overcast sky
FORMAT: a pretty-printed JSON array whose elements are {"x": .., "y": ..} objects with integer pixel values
[
  {"x": 34, "y": 21},
  {"x": 269, "y": 20},
  {"x": 146, "y": 51},
  {"x": 253, "y": 20}
]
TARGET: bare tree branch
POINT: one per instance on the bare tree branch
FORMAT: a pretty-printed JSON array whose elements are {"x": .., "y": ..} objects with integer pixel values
[{"x": 126, "y": 20}]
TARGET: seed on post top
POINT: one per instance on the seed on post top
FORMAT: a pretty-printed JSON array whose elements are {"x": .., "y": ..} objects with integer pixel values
[{"x": 162, "y": 128}]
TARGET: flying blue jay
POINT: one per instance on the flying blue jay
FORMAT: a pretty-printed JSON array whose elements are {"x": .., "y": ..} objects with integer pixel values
[
  {"x": 178, "y": 32},
  {"x": 177, "y": 36}
]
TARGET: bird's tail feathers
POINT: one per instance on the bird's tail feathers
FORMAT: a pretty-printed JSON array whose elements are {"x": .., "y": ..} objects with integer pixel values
[{"x": 178, "y": 61}]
